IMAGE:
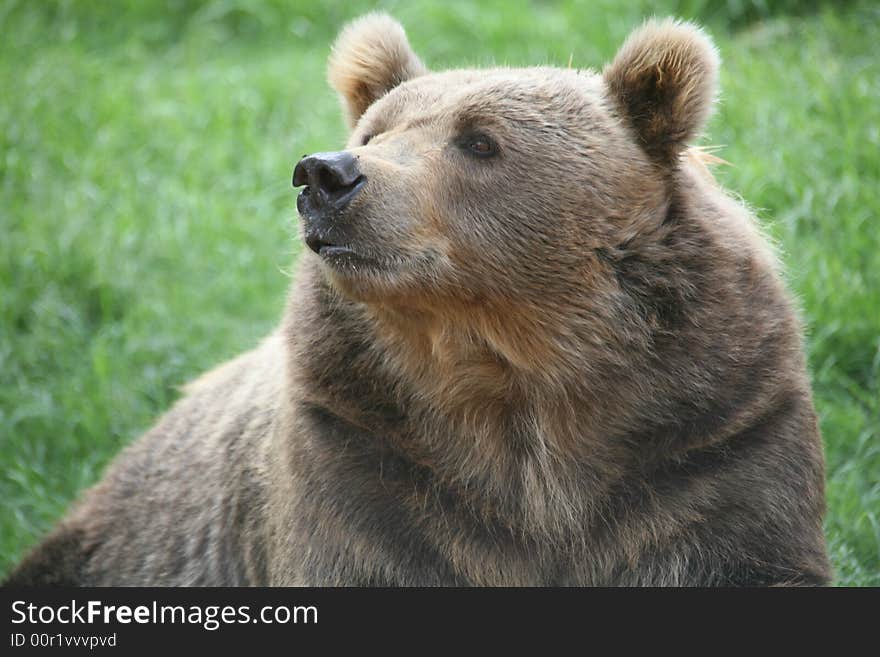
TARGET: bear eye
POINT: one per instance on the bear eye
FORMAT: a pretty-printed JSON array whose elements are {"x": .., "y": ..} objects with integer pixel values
[
  {"x": 480, "y": 145},
  {"x": 367, "y": 138}
]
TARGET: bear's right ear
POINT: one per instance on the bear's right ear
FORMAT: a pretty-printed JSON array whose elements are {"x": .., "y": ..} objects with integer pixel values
[
  {"x": 664, "y": 81},
  {"x": 371, "y": 56}
]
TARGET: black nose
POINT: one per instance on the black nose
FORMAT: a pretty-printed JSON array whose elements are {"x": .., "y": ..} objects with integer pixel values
[{"x": 332, "y": 179}]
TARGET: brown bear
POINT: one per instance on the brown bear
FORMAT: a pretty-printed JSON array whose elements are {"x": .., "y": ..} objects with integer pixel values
[{"x": 531, "y": 343}]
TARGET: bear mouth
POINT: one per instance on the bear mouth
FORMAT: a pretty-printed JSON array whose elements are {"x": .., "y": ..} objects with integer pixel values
[
  {"x": 327, "y": 249},
  {"x": 337, "y": 254}
]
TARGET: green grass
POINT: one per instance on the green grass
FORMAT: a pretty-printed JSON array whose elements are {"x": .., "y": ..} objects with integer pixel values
[{"x": 147, "y": 220}]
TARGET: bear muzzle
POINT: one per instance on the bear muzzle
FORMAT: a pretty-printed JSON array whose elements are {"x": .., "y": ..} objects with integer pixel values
[{"x": 331, "y": 180}]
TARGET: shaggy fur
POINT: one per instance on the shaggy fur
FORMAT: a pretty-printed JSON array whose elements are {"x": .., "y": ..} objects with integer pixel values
[{"x": 568, "y": 362}]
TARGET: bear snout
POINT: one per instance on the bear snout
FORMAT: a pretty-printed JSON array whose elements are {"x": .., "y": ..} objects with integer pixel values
[{"x": 331, "y": 181}]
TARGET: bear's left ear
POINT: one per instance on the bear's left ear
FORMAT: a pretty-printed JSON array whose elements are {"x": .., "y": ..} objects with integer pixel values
[
  {"x": 371, "y": 56},
  {"x": 664, "y": 81}
]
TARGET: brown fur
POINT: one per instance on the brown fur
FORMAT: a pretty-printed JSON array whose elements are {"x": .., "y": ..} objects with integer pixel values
[{"x": 570, "y": 363}]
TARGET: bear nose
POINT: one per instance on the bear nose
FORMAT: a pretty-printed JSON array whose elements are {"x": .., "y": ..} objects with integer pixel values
[{"x": 332, "y": 179}]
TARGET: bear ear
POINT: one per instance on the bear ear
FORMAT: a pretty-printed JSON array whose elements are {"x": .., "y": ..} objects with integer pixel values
[
  {"x": 371, "y": 56},
  {"x": 664, "y": 80}
]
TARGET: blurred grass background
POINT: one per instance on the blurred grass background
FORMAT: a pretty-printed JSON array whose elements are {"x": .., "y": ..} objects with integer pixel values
[{"x": 147, "y": 219}]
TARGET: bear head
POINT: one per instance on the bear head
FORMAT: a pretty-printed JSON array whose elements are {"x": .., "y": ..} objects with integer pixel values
[{"x": 495, "y": 192}]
